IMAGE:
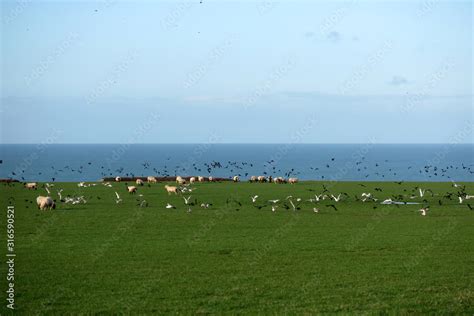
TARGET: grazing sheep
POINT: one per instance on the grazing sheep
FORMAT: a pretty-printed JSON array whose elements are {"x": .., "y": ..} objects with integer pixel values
[
  {"x": 151, "y": 179},
  {"x": 211, "y": 179},
  {"x": 178, "y": 179},
  {"x": 31, "y": 186},
  {"x": 45, "y": 202},
  {"x": 292, "y": 180},
  {"x": 201, "y": 179},
  {"x": 171, "y": 189},
  {"x": 181, "y": 181},
  {"x": 253, "y": 179},
  {"x": 139, "y": 182},
  {"x": 236, "y": 178},
  {"x": 192, "y": 180},
  {"x": 118, "y": 179},
  {"x": 279, "y": 180},
  {"x": 132, "y": 189},
  {"x": 261, "y": 179}
]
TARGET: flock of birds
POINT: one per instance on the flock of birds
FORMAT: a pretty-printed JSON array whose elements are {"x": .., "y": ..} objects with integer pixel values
[
  {"x": 364, "y": 170},
  {"x": 324, "y": 198}
]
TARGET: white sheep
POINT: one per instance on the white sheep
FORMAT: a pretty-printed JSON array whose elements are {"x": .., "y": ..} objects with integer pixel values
[
  {"x": 139, "y": 182},
  {"x": 45, "y": 202},
  {"x": 201, "y": 179},
  {"x": 253, "y": 179},
  {"x": 171, "y": 189},
  {"x": 132, "y": 189},
  {"x": 178, "y": 179},
  {"x": 261, "y": 179},
  {"x": 181, "y": 181},
  {"x": 279, "y": 180},
  {"x": 211, "y": 179},
  {"x": 236, "y": 178},
  {"x": 192, "y": 180},
  {"x": 31, "y": 186},
  {"x": 151, "y": 179},
  {"x": 118, "y": 179},
  {"x": 293, "y": 180}
]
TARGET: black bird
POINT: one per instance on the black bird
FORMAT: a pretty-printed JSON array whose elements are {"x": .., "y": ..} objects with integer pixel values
[{"x": 333, "y": 206}]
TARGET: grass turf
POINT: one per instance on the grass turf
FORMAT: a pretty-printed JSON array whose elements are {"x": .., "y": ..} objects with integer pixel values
[{"x": 108, "y": 257}]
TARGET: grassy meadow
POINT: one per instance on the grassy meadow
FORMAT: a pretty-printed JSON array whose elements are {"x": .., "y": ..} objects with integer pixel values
[{"x": 363, "y": 257}]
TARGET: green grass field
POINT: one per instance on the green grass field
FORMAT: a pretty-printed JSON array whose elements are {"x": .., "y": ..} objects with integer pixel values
[{"x": 363, "y": 258}]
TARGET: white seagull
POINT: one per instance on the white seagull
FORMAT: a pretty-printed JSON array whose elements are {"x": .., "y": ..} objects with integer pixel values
[
  {"x": 292, "y": 205},
  {"x": 273, "y": 201},
  {"x": 254, "y": 198},
  {"x": 336, "y": 198},
  {"x": 118, "y": 200},
  {"x": 315, "y": 209},
  {"x": 186, "y": 200},
  {"x": 422, "y": 192},
  {"x": 169, "y": 206}
]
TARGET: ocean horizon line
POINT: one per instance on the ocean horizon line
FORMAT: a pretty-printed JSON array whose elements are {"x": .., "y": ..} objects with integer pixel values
[{"x": 215, "y": 143}]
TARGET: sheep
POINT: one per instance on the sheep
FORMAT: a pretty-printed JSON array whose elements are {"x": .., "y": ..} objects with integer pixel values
[
  {"x": 279, "y": 180},
  {"x": 171, "y": 189},
  {"x": 181, "y": 181},
  {"x": 201, "y": 179},
  {"x": 292, "y": 180},
  {"x": 151, "y": 179},
  {"x": 132, "y": 189},
  {"x": 261, "y": 179},
  {"x": 139, "y": 182},
  {"x": 45, "y": 202},
  {"x": 31, "y": 186},
  {"x": 118, "y": 179},
  {"x": 236, "y": 178},
  {"x": 211, "y": 179},
  {"x": 253, "y": 179},
  {"x": 192, "y": 180}
]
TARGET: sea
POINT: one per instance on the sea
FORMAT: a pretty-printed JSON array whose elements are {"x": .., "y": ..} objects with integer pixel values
[{"x": 329, "y": 162}]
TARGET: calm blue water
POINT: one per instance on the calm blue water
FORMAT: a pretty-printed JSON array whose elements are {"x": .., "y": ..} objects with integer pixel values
[{"x": 306, "y": 161}]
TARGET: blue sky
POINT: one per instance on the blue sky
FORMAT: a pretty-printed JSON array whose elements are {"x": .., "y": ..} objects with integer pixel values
[{"x": 242, "y": 71}]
